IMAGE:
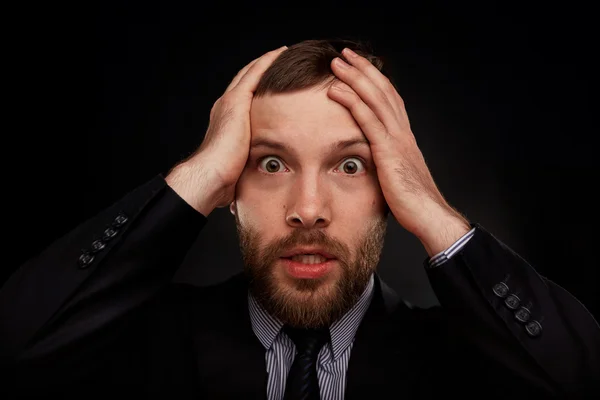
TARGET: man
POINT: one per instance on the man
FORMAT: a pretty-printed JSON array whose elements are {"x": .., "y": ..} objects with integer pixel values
[{"x": 311, "y": 148}]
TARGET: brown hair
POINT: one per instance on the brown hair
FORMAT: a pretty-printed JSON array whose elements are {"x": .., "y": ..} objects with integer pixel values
[{"x": 308, "y": 64}]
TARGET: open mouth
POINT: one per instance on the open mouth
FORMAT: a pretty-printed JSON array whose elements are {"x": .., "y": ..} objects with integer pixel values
[
  {"x": 308, "y": 266},
  {"x": 308, "y": 258}
]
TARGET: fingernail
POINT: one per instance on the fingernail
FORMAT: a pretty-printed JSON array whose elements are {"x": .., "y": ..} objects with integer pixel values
[
  {"x": 283, "y": 48},
  {"x": 349, "y": 52},
  {"x": 340, "y": 63}
]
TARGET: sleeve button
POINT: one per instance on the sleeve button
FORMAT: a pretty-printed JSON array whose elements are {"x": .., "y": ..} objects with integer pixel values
[
  {"x": 512, "y": 301},
  {"x": 120, "y": 220},
  {"x": 500, "y": 289},
  {"x": 533, "y": 328},
  {"x": 85, "y": 260},
  {"x": 97, "y": 246},
  {"x": 109, "y": 233},
  {"x": 522, "y": 314}
]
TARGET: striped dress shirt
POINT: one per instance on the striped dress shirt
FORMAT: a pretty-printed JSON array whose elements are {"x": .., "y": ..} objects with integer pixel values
[{"x": 332, "y": 361}]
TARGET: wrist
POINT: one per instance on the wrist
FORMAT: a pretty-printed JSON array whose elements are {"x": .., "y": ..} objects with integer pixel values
[
  {"x": 194, "y": 183},
  {"x": 444, "y": 227}
]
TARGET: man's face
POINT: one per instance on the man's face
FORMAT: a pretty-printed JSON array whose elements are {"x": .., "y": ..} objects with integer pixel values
[{"x": 309, "y": 187}]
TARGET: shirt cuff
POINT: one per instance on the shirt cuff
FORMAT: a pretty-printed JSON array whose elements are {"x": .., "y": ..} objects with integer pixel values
[{"x": 445, "y": 255}]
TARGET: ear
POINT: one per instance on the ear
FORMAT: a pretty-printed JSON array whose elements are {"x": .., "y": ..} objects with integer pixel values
[{"x": 232, "y": 207}]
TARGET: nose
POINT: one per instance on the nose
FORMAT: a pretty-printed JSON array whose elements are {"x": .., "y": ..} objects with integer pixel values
[{"x": 309, "y": 204}]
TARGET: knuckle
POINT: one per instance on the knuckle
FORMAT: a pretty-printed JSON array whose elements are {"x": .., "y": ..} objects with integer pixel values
[
  {"x": 227, "y": 99},
  {"x": 376, "y": 126},
  {"x": 238, "y": 94},
  {"x": 382, "y": 97},
  {"x": 344, "y": 86},
  {"x": 222, "y": 109},
  {"x": 216, "y": 104},
  {"x": 355, "y": 105},
  {"x": 400, "y": 99},
  {"x": 388, "y": 85}
]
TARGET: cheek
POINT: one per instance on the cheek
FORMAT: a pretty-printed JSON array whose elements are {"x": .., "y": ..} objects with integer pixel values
[
  {"x": 258, "y": 192},
  {"x": 262, "y": 209},
  {"x": 359, "y": 201},
  {"x": 378, "y": 204},
  {"x": 258, "y": 214},
  {"x": 377, "y": 201}
]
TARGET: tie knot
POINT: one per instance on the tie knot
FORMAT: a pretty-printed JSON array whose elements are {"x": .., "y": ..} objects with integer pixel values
[{"x": 308, "y": 341}]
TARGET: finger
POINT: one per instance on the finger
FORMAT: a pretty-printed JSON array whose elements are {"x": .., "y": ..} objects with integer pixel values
[
  {"x": 374, "y": 97},
  {"x": 243, "y": 71},
  {"x": 375, "y": 75},
  {"x": 249, "y": 81},
  {"x": 367, "y": 120},
  {"x": 239, "y": 75}
]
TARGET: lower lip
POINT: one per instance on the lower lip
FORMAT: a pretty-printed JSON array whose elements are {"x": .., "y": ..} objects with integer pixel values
[{"x": 299, "y": 270}]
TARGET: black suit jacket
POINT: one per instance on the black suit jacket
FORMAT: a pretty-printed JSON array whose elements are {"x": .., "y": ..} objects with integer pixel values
[{"x": 97, "y": 315}]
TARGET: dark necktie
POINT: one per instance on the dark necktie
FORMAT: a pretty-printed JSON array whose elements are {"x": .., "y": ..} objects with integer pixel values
[{"x": 302, "y": 382}]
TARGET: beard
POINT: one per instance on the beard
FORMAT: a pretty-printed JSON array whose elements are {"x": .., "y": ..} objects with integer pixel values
[{"x": 309, "y": 303}]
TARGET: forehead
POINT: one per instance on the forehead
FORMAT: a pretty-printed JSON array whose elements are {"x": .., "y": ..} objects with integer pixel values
[{"x": 307, "y": 118}]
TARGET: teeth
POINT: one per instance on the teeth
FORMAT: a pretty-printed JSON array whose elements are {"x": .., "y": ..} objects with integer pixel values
[{"x": 309, "y": 258}]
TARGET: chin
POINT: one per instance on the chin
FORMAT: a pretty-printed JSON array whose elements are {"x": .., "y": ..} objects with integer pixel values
[
  {"x": 305, "y": 302},
  {"x": 307, "y": 289},
  {"x": 305, "y": 296},
  {"x": 305, "y": 308}
]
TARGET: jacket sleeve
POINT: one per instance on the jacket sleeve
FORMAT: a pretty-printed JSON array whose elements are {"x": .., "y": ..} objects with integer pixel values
[
  {"x": 530, "y": 328},
  {"x": 64, "y": 312}
]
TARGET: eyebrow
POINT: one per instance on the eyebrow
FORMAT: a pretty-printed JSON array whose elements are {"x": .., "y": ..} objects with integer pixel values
[{"x": 337, "y": 146}]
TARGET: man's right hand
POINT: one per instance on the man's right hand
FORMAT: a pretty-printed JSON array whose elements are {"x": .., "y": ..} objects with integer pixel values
[{"x": 207, "y": 179}]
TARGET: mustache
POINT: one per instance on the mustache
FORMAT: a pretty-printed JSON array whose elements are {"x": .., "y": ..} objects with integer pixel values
[{"x": 303, "y": 237}]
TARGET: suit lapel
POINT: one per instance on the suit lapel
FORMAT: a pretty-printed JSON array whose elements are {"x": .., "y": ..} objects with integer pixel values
[
  {"x": 236, "y": 361},
  {"x": 396, "y": 348},
  {"x": 252, "y": 365},
  {"x": 365, "y": 369}
]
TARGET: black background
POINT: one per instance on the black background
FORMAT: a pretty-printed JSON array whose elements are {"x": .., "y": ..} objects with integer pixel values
[{"x": 100, "y": 97}]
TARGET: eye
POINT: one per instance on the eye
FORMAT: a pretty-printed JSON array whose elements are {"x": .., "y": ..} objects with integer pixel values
[
  {"x": 271, "y": 164},
  {"x": 352, "y": 165}
]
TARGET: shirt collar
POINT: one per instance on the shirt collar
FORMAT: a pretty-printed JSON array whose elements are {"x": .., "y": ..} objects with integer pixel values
[{"x": 267, "y": 327}]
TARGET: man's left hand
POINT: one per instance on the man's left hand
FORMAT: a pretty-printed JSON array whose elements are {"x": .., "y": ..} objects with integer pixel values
[{"x": 405, "y": 180}]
